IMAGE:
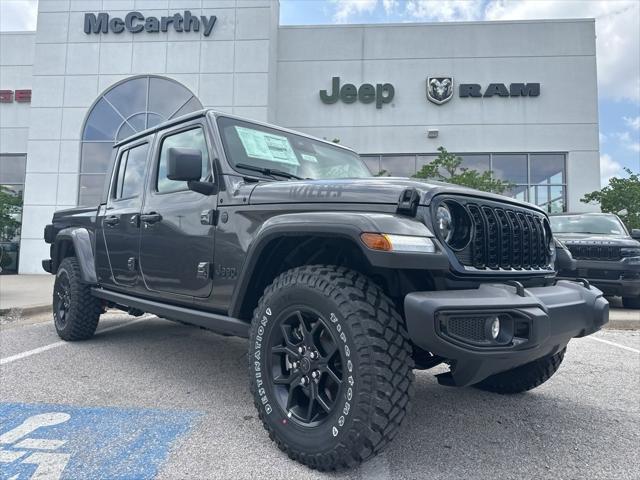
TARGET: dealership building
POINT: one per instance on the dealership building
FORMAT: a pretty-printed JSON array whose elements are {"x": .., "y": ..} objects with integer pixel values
[{"x": 517, "y": 98}]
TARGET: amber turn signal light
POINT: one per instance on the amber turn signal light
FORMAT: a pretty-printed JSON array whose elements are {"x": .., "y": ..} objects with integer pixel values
[{"x": 376, "y": 241}]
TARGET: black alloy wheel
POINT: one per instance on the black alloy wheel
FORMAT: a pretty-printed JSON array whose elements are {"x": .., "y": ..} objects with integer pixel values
[
  {"x": 306, "y": 366},
  {"x": 62, "y": 300}
]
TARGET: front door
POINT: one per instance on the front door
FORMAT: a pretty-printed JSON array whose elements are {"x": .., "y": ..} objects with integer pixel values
[
  {"x": 121, "y": 220},
  {"x": 177, "y": 231}
]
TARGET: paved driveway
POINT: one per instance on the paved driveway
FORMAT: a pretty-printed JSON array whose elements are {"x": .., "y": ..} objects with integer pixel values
[{"x": 149, "y": 398}]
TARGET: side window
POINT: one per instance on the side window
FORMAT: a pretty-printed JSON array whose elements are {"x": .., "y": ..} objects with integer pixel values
[
  {"x": 130, "y": 174},
  {"x": 188, "y": 139}
]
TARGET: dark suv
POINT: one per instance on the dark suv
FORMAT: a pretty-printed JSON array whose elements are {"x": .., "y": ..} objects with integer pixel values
[
  {"x": 604, "y": 253},
  {"x": 343, "y": 282}
]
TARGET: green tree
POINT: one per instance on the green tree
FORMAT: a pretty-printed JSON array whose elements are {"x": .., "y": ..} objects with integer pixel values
[
  {"x": 622, "y": 194},
  {"x": 447, "y": 167},
  {"x": 10, "y": 206}
]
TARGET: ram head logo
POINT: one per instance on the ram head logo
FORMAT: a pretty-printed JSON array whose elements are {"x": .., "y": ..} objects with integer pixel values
[{"x": 439, "y": 89}]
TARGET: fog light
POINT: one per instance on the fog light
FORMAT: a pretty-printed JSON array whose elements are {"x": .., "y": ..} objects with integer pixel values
[{"x": 495, "y": 327}]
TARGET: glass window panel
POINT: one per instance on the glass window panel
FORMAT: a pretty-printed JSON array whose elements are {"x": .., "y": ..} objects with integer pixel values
[
  {"x": 12, "y": 168},
  {"x": 125, "y": 131},
  {"x": 154, "y": 119},
  {"x": 103, "y": 122},
  {"x": 519, "y": 192},
  {"x": 12, "y": 197},
  {"x": 134, "y": 172},
  {"x": 189, "y": 139},
  {"x": 129, "y": 97},
  {"x": 398, "y": 165},
  {"x": 512, "y": 168},
  {"x": 550, "y": 197},
  {"x": 96, "y": 157},
  {"x": 546, "y": 168},
  {"x": 557, "y": 199},
  {"x": 165, "y": 96},
  {"x": 480, "y": 163},
  {"x": 138, "y": 121},
  {"x": 372, "y": 162},
  {"x": 193, "y": 105},
  {"x": 90, "y": 189}
]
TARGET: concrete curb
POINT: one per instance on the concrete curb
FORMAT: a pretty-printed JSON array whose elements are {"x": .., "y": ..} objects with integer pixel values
[{"x": 26, "y": 311}]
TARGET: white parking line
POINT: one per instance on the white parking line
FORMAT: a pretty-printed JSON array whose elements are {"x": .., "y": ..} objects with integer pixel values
[
  {"x": 35, "y": 351},
  {"x": 624, "y": 347}
]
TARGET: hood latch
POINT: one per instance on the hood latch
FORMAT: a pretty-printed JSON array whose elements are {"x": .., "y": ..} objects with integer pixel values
[{"x": 408, "y": 202}]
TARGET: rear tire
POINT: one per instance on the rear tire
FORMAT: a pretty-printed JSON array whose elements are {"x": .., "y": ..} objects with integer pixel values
[
  {"x": 631, "y": 302},
  {"x": 525, "y": 377},
  {"x": 330, "y": 366},
  {"x": 75, "y": 311}
]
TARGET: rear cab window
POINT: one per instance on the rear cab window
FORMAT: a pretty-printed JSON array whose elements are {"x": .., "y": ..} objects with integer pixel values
[{"x": 129, "y": 177}]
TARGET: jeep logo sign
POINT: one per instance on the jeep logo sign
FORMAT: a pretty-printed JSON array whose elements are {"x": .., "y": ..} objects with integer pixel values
[
  {"x": 380, "y": 94},
  {"x": 136, "y": 22}
]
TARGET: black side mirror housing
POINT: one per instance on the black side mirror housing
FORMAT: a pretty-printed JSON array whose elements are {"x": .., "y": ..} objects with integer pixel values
[
  {"x": 635, "y": 233},
  {"x": 184, "y": 164}
]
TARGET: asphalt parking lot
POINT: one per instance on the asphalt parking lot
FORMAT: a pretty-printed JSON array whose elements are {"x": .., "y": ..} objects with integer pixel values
[{"x": 150, "y": 398}]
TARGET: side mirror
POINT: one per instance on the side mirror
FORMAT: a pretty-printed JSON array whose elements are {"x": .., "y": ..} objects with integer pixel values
[
  {"x": 635, "y": 233},
  {"x": 184, "y": 164}
]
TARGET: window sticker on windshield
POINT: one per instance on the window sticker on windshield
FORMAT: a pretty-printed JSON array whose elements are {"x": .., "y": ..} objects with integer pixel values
[
  {"x": 309, "y": 158},
  {"x": 267, "y": 146}
]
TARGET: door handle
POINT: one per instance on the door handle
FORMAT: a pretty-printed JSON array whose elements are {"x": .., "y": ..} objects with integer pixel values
[
  {"x": 111, "y": 220},
  {"x": 151, "y": 218}
]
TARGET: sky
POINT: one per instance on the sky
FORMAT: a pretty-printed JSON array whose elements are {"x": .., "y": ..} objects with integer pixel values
[{"x": 617, "y": 44}]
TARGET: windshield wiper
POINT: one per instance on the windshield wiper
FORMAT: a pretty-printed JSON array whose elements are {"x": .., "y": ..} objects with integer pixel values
[{"x": 270, "y": 172}]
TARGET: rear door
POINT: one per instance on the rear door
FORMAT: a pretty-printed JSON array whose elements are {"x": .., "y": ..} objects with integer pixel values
[
  {"x": 121, "y": 220},
  {"x": 177, "y": 224}
]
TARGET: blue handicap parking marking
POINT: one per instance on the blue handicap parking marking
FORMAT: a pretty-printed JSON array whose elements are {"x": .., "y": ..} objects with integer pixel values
[{"x": 41, "y": 441}]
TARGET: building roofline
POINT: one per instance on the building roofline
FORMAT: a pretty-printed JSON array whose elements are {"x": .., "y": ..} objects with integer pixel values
[{"x": 443, "y": 24}]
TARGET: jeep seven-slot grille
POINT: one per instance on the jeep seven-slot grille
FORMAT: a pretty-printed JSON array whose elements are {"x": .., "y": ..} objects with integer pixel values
[
  {"x": 594, "y": 252},
  {"x": 505, "y": 238}
]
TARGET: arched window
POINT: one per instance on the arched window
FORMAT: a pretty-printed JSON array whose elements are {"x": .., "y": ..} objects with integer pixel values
[{"x": 130, "y": 106}]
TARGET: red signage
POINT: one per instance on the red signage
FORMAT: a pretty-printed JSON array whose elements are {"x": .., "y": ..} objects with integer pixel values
[{"x": 10, "y": 96}]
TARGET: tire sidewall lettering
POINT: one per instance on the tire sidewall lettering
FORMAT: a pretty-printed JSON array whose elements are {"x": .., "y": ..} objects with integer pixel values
[{"x": 258, "y": 357}]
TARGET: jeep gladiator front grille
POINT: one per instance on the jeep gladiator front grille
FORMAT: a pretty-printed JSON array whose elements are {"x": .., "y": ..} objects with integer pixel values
[
  {"x": 504, "y": 238},
  {"x": 594, "y": 252}
]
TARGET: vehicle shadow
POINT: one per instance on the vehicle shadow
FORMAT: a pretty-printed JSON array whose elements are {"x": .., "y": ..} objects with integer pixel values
[{"x": 449, "y": 432}]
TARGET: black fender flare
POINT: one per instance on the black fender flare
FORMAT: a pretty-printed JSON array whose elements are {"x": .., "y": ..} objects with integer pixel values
[
  {"x": 348, "y": 225},
  {"x": 82, "y": 241}
]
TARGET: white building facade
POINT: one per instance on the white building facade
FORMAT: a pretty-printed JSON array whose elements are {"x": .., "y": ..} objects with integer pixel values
[{"x": 516, "y": 98}]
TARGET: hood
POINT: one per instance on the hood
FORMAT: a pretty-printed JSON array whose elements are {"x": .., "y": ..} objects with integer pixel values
[
  {"x": 596, "y": 239},
  {"x": 380, "y": 190}
]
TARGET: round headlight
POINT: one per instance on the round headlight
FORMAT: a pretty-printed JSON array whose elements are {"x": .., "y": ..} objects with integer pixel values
[{"x": 444, "y": 222}]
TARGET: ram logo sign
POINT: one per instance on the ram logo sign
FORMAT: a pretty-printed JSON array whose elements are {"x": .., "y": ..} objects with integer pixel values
[{"x": 439, "y": 89}]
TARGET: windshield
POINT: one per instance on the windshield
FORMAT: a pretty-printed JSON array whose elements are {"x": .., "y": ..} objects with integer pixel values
[
  {"x": 594, "y": 224},
  {"x": 253, "y": 148}
]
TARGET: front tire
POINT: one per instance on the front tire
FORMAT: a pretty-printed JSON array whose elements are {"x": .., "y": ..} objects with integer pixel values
[
  {"x": 631, "y": 302},
  {"x": 75, "y": 311},
  {"x": 330, "y": 366},
  {"x": 525, "y": 377}
]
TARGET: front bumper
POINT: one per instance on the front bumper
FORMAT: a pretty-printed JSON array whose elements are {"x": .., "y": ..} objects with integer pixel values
[
  {"x": 627, "y": 270},
  {"x": 542, "y": 321}
]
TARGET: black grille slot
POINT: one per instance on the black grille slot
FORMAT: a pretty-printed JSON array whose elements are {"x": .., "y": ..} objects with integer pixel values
[
  {"x": 478, "y": 241},
  {"x": 505, "y": 238},
  {"x": 594, "y": 252}
]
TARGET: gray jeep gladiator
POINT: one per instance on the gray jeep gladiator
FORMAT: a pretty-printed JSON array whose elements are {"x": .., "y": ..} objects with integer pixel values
[
  {"x": 604, "y": 253},
  {"x": 343, "y": 282}
]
